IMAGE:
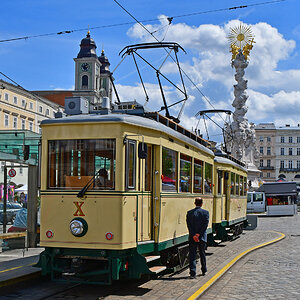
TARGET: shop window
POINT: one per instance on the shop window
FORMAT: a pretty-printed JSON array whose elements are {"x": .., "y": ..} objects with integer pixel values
[
  {"x": 208, "y": 184},
  {"x": 198, "y": 177},
  {"x": 169, "y": 170},
  {"x": 185, "y": 173}
]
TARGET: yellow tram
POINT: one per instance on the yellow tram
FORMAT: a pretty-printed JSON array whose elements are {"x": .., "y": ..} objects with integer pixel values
[{"x": 115, "y": 188}]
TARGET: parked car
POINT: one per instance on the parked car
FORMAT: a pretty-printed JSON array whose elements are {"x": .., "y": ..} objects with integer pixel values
[{"x": 11, "y": 211}]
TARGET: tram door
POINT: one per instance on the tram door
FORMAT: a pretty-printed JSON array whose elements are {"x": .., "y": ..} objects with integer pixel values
[{"x": 145, "y": 198}]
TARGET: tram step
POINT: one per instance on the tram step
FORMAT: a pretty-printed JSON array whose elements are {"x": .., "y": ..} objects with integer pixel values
[
  {"x": 152, "y": 258},
  {"x": 157, "y": 269}
]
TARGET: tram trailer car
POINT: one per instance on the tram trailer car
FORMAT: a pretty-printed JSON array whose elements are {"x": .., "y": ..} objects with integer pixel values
[{"x": 115, "y": 190}]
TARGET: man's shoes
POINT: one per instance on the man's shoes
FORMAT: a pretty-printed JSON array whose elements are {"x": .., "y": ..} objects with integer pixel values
[
  {"x": 192, "y": 276},
  {"x": 203, "y": 273}
]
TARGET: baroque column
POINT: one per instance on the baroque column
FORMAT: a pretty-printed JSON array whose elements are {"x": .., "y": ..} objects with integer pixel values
[{"x": 240, "y": 135}]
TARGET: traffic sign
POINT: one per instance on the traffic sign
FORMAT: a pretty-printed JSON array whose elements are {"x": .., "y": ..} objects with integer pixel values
[{"x": 12, "y": 172}]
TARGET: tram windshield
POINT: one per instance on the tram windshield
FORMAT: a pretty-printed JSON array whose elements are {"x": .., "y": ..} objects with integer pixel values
[{"x": 73, "y": 163}]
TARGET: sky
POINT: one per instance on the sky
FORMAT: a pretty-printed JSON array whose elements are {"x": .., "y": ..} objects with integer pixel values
[{"x": 200, "y": 27}]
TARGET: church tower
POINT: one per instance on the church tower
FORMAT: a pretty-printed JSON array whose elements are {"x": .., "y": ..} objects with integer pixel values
[
  {"x": 92, "y": 74},
  {"x": 87, "y": 71}
]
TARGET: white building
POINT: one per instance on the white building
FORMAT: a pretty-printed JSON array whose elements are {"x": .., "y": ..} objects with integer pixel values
[{"x": 279, "y": 148}]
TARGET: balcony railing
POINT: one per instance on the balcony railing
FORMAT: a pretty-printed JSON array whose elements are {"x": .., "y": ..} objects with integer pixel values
[
  {"x": 289, "y": 170},
  {"x": 266, "y": 168}
]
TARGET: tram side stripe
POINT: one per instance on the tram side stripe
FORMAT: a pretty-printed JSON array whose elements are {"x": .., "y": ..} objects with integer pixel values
[{"x": 230, "y": 264}]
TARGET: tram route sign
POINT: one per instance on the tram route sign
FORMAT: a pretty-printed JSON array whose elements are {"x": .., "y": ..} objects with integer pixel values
[{"x": 12, "y": 172}]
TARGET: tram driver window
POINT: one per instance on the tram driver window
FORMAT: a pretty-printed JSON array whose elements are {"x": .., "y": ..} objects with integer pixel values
[
  {"x": 198, "y": 176},
  {"x": 169, "y": 170},
  {"x": 208, "y": 179},
  {"x": 73, "y": 163}
]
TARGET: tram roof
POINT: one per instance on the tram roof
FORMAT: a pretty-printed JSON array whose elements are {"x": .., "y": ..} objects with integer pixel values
[
  {"x": 224, "y": 160},
  {"x": 127, "y": 119}
]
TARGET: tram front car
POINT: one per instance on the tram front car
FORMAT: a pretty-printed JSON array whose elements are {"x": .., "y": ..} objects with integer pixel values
[{"x": 115, "y": 189}]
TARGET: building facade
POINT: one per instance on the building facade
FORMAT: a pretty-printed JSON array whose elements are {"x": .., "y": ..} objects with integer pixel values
[
  {"x": 279, "y": 148},
  {"x": 22, "y": 110}
]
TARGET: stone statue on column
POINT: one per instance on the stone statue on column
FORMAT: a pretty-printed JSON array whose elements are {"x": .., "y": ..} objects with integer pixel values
[{"x": 240, "y": 135}]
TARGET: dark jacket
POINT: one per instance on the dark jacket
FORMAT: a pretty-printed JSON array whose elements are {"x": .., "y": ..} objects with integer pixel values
[{"x": 197, "y": 222}]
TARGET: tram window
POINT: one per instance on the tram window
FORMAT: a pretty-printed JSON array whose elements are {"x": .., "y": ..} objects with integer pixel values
[
  {"x": 232, "y": 186},
  {"x": 185, "y": 173},
  {"x": 198, "y": 177},
  {"x": 237, "y": 184},
  {"x": 72, "y": 163},
  {"x": 208, "y": 179},
  {"x": 241, "y": 186},
  {"x": 130, "y": 174},
  {"x": 245, "y": 186},
  {"x": 169, "y": 170},
  {"x": 220, "y": 176},
  {"x": 148, "y": 169}
]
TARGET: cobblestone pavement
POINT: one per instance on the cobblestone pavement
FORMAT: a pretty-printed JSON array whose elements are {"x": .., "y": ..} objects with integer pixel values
[
  {"x": 268, "y": 273},
  {"x": 178, "y": 286},
  {"x": 271, "y": 272}
]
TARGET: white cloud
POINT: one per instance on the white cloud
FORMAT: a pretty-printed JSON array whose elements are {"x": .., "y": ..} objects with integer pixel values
[{"x": 274, "y": 93}]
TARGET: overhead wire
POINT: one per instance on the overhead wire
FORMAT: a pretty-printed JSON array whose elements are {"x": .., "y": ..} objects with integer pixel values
[
  {"x": 170, "y": 56},
  {"x": 147, "y": 20},
  {"x": 19, "y": 86}
]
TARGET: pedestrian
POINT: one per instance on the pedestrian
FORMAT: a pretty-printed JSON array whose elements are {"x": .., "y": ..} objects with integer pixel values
[{"x": 197, "y": 222}]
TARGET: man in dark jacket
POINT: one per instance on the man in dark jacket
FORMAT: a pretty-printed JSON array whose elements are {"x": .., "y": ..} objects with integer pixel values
[{"x": 197, "y": 222}]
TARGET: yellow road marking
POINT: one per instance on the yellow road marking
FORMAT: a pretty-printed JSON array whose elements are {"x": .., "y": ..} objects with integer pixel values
[
  {"x": 11, "y": 269},
  {"x": 224, "y": 269}
]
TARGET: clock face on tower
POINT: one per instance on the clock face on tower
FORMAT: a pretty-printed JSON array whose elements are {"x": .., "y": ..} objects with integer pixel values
[{"x": 85, "y": 67}]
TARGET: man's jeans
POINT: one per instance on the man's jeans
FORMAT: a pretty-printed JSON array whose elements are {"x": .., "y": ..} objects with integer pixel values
[{"x": 193, "y": 251}]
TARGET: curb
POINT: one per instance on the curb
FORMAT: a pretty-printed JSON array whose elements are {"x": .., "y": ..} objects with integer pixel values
[{"x": 217, "y": 276}]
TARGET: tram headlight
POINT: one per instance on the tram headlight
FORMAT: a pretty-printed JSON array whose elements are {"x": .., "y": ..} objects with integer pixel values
[{"x": 78, "y": 227}]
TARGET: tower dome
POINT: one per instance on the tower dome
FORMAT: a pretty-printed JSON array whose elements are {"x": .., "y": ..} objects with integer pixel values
[
  {"x": 87, "y": 47},
  {"x": 104, "y": 63}
]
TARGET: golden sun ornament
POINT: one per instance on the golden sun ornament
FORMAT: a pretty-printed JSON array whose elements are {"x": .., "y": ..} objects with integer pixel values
[
  {"x": 241, "y": 38},
  {"x": 240, "y": 35}
]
